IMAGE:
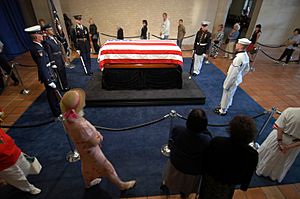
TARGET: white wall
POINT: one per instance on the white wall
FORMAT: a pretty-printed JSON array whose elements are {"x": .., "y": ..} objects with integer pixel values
[
  {"x": 278, "y": 19},
  {"x": 129, "y": 14}
]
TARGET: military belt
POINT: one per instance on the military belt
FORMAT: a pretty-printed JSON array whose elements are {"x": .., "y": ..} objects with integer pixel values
[{"x": 57, "y": 53}]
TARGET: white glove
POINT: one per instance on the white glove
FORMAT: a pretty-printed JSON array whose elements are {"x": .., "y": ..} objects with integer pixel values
[
  {"x": 78, "y": 51},
  {"x": 54, "y": 66},
  {"x": 52, "y": 85}
]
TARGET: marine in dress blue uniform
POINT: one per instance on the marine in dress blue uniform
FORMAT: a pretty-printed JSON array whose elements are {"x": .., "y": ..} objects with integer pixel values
[
  {"x": 81, "y": 39},
  {"x": 53, "y": 47},
  {"x": 45, "y": 71}
]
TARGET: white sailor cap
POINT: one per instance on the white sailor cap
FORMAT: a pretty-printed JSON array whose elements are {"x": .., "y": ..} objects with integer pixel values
[
  {"x": 34, "y": 29},
  {"x": 244, "y": 41},
  {"x": 205, "y": 23}
]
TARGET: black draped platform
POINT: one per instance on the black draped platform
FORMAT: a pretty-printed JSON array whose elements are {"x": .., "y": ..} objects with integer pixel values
[
  {"x": 142, "y": 78},
  {"x": 189, "y": 94}
]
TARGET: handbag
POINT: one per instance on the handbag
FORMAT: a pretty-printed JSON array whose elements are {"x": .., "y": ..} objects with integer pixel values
[{"x": 35, "y": 166}]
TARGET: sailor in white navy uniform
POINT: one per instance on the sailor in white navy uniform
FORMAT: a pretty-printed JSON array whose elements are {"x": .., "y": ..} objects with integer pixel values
[
  {"x": 239, "y": 67},
  {"x": 201, "y": 47},
  {"x": 53, "y": 47},
  {"x": 45, "y": 71}
]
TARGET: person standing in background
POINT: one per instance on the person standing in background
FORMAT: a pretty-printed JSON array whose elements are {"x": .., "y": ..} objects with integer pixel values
[
  {"x": 69, "y": 24},
  {"x": 217, "y": 41},
  {"x": 94, "y": 35},
  {"x": 292, "y": 44},
  {"x": 165, "y": 27},
  {"x": 42, "y": 22},
  {"x": 120, "y": 33},
  {"x": 254, "y": 38},
  {"x": 144, "y": 30},
  {"x": 181, "y": 32},
  {"x": 81, "y": 39},
  {"x": 232, "y": 37}
]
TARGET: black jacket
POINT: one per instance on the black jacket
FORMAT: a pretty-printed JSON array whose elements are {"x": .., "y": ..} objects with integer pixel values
[
  {"x": 202, "y": 42},
  {"x": 229, "y": 162},
  {"x": 81, "y": 38},
  {"x": 187, "y": 149},
  {"x": 41, "y": 58},
  {"x": 120, "y": 34},
  {"x": 53, "y": 49},
  {"x": 93, "y": 31},
  {"x": 144, "y": 32}
]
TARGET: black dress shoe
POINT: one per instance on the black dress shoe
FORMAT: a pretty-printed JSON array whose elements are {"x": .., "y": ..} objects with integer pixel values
[
  {"x": 194, "y": 74},
  {"x": 217, "y": 110}
]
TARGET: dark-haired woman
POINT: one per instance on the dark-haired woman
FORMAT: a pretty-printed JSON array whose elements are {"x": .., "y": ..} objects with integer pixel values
[
  {"x": 144, "y": 29},
  {"x": 230, "y": 161},
  {"x": 184, "y": 169},
  {"x": 254, "y": 38}
]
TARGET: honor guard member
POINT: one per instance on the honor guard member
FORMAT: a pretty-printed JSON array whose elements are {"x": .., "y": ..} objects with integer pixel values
[
  {"x": 53, "y": 47},
  {"x": 239, "y": 67},
  {"x": 80, "y": 37},
  {"x": 45, "y": 71},
  {"x": 201, "y": 47}
]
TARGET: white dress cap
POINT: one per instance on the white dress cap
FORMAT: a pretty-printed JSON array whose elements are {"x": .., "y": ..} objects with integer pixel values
[
  {"x": 33, "y": 29},
  {"x": 205, "y": 23},
  {"x": 244, "y": 41}
]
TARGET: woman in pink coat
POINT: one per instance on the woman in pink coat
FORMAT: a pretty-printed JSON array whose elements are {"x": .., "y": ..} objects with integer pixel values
[{"x": 88, "y": 142}]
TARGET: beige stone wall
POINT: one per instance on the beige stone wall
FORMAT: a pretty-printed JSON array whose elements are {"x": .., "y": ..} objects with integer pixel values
[
  {"x": 278, "y": 19},
  {"x": 129, "y": 14}
]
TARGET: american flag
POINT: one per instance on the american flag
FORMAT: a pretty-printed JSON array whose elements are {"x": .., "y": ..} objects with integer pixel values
[{"x": 140, "y": 52}]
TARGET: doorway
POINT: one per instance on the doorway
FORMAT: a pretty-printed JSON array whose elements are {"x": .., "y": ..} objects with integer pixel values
[{"x": 240, "y": 11}]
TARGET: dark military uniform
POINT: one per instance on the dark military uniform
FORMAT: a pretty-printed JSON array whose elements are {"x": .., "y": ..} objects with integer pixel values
[
  {"x": 81, "y": 39},
  {"x": 120, "y": 33},
  {"x": 53, "y": 49},
  {"x": 95, "y": 37},
  {"x": 202, "y": 42},
  {"x": 201, "y": 47},
  {"x": 46, "y": 75}
]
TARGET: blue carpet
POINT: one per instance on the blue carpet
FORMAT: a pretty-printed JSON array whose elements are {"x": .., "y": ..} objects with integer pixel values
[{"x": 136, "y": 153}]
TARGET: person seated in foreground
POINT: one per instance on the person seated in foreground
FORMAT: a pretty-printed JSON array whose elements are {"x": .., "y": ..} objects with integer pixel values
[
  {"x": 230, "y": 161},
  {"x": 87, "y": 140},
  {"x": 187, "y": 144}
]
